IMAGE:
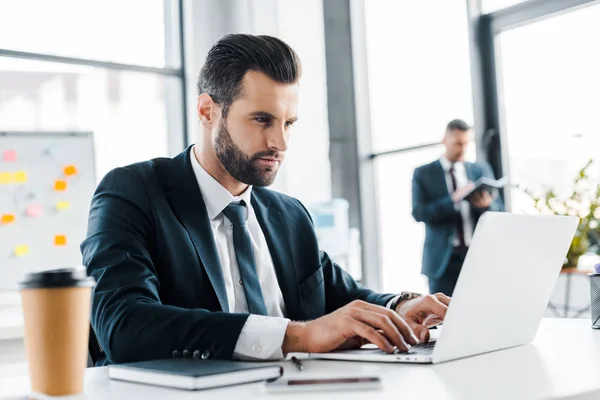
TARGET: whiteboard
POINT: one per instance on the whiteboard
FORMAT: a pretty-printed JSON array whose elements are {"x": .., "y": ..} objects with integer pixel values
[{"x": 46, "y": 184}]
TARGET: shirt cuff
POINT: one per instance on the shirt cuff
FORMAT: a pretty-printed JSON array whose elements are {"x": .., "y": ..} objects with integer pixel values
[
  {"x": 389, "y": 303},
  {"x": 261, "y": 338}
]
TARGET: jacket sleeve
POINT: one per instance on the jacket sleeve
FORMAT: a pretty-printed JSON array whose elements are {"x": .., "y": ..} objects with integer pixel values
[
  {"x": 430, "y": 211},
  {"x": 127, "y": 315}
]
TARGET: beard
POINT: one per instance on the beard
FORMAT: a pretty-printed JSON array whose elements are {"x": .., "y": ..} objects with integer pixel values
[{"x": 239, "y": 165}]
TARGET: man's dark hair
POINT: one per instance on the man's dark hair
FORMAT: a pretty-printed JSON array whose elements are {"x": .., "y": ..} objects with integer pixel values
[
  {"x": 457, "y": 125},
  {"x": 234, "y": 55}
]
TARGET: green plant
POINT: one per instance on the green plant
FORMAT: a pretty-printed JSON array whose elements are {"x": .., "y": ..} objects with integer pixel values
[{"x": 583, "y": 201}]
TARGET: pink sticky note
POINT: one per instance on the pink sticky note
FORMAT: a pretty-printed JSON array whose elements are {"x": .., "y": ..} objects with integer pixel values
[
  {"x": 10, "y": 156},
  {"x": 34, "y": 210}
]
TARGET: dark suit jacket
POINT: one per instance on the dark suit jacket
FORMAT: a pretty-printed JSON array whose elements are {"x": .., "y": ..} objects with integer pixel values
[
  {"x": 160, "y": 286},
  {"x": 432, "y": 204}
]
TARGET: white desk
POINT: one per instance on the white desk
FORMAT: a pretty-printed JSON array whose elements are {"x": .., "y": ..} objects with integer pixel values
[
  {"x": 11, "y": 319},
  {"x": 563, "y": 361},
  {"x": 11, "y": 324}
]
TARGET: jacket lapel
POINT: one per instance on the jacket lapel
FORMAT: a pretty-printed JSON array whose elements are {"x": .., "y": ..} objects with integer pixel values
[
  {"x": 186, "y": 201},
  {"x": 273, "y": 227},
  {"x": 439, "y": 180}
]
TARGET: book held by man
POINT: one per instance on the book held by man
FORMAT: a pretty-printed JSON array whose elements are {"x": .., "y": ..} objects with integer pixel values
[
  {"x": 485, "y": 184},
  {"x": 194, "y": 374}
]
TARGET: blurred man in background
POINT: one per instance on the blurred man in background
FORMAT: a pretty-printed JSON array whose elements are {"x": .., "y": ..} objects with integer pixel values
[{"x": 438, "y": 189}]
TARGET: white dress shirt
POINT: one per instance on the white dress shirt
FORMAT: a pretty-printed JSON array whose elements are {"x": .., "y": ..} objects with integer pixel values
[
  {"x": 460, "y": 174},
  {"x": 262, "y": 336}
]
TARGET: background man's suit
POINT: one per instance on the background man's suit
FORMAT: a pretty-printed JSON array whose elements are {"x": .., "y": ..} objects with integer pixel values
[
  {"x": 160, "y": 287},
  {"x": 433, "y": 205}
]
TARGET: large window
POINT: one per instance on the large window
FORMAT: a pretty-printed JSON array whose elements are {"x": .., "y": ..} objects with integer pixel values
[
  {"x": 419, "y": 73},
  {"x": 401, "y": 241},
  {"x": 548, "y": 103},
  {"x": 419, "y": 80},
  {"x": 130, "y": 31},
  {"x": 551, "y": 100},
  {"x": 125, "y": 110},
  {"x": 109, "y": 67}
]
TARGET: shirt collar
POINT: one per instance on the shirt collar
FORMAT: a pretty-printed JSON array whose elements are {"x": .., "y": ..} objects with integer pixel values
[
  {"x": 447, "y": 164},
  {"x": 215, "y": 196}
]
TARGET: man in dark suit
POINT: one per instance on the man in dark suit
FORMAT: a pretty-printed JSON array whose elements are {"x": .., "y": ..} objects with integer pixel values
[
  {"x": 194, "y": 257},
  {"x": 437, "y": 190}
]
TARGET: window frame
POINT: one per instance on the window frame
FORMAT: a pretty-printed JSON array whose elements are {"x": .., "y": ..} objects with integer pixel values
[{"x": 174, "y": 54}]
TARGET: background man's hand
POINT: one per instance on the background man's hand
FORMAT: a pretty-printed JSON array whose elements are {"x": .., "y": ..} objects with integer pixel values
[
  {"x": 461, "y": 191},
  {"x": 481, "y": 200},
  {"x": 350, "y": 327},
  {"x": 423, "y": 313}
]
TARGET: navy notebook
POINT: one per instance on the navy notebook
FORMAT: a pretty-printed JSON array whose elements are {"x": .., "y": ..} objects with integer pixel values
[{"x": 193, "y": 374}]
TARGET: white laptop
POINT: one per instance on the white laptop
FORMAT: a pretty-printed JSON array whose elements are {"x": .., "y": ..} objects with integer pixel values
[{"x": 502, "y": 292}]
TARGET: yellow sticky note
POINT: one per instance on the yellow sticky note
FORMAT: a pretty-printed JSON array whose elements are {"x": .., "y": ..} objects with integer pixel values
[
  {"x": 7, "y": 219},
  {"x": 20, "y": 177},
  {"x": 60, "y": 240},
  {"x": 6, "y": 178},
  {"x": 21, "y": 250},
  {"x": 63, "y": 205},
  {"x": 60, "y": 186},
  {"x": 70, "y": 170}
]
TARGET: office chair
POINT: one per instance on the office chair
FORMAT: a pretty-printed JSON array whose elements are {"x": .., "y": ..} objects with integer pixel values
[{"x": 95, "y": 349}]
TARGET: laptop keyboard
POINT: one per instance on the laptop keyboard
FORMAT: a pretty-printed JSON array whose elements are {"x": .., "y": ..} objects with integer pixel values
[{"x": 421, "y": 348}]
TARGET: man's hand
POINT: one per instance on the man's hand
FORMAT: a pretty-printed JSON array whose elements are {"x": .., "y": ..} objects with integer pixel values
[
  {"x": 424, "y": 312},
  {"x": 481, "y": 200},
  {"x": 350, "y": 327},
  {"x": 461, "y": 191}
]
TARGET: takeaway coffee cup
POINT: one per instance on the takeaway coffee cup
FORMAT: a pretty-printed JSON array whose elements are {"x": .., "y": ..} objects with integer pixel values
[{"x": 56, "y": 310}]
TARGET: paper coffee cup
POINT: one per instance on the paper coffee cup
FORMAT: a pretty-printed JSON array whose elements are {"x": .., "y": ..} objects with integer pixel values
[{"x": 56, "y": 310}]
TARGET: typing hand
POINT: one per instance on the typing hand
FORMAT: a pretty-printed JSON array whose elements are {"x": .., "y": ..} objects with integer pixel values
[
  {"x": 350, "y": 327},
  {"x": 424, "y": 312},
  {"x": 481, "y": 200},
  {"x": 459, "y": 193}
]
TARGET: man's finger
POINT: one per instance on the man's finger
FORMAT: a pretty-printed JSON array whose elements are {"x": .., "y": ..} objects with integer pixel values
[
  {"x": 405, "y": 330},
  {"x": 431, "y": 305},
  {"x": 421, "y": 331},
  {"x": 382, "y": 322},
  {"x": 431, "y": 321},
  {"x": 365, "y": 331},
  {"x": 443, "y": 298}
]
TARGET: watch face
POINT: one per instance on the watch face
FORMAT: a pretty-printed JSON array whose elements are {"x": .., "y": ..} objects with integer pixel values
[{"x": 409, "y": 295}]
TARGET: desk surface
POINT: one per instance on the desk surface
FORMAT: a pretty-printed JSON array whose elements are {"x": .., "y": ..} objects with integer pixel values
[{"x": 563, "y": 360}]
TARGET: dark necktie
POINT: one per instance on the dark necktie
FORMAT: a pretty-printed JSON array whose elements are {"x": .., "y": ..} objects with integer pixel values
[
  {"x": 236, "y": 213},
  {"x": 460, "y": 230}
]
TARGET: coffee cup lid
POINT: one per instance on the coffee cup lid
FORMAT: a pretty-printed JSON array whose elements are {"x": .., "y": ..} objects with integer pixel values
[{"x": 65, "y": 277}]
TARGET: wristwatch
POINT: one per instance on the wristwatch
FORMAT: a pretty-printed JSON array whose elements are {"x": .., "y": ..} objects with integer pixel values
[{"x": 404, "y": 296}]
